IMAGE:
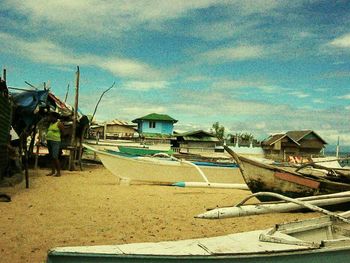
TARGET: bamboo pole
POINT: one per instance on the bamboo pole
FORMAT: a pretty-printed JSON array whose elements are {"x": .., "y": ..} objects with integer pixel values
[
  {"x": 75, "y": 116},
  {"x": 291, "y": 205},
  {"x": 65, "y": 98}
]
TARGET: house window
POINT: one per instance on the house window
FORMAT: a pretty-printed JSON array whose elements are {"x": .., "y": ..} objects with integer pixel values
[{"x": 152, "y": 124}]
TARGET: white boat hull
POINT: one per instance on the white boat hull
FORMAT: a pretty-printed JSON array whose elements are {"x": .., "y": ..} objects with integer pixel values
[
  {"x": 316, "y": 240},
  {"x": 148, "y": 169}
]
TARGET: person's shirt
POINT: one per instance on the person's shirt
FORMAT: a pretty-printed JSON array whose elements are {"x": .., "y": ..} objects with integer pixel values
[
  {"x": 14, "y": 135},
  {"x": 54, "y": 132}
]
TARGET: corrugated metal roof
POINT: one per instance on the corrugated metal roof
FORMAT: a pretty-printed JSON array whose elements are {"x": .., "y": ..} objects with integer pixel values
[{"x": 156, "y": 117}]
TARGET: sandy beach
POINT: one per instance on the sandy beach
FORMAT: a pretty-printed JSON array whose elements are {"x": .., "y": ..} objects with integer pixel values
[{"x": 90, "y": 208}]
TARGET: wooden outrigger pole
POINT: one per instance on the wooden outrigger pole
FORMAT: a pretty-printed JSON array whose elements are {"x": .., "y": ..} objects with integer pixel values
[
  {"x": 310, "y": 202},
  {"x": 73, "y": 145}
]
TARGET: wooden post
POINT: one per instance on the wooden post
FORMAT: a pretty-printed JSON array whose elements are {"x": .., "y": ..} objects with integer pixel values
[
  {"x": 337, "y": 150},
  {"x": 4, "y": 74},
  {"x": 72, "y": 156},
  {"x": 26, "y": 173},
  {"x": 23, "y": 147},
  {"x": 105, "y": 132}
]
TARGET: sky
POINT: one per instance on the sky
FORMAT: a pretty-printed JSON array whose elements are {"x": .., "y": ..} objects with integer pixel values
[{"x": 261, "y": 67}]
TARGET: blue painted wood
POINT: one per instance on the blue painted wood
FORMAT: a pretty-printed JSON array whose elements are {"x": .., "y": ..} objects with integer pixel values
[{"x": 159, "y": 127}]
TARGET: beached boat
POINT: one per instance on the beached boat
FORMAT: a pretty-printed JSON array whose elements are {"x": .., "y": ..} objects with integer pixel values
[
  {"x": 166, "y": 154},
  {"x": 141, "y": 151},
  {"x": 288, "y": 181},
  {"x": 164, "y": 170},
  {"x": 313, "y": 240}
]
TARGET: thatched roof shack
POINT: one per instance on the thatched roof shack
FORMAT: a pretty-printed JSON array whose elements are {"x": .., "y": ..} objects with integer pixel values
[
  {"x": 115, "y": 129},
  {"x": 195, "y": 141},
  {"x": 304, "y": 143}
]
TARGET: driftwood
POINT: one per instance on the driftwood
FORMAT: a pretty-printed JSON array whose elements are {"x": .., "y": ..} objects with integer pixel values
[{"x": 99, "y": 100}]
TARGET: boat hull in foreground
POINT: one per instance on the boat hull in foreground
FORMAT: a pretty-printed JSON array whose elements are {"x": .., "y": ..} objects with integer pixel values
[{"x": 314, "y": 240}]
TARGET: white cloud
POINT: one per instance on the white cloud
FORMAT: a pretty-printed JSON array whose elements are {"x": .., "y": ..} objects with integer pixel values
[
  {"x": 318, "y": 100},
  {"x": 220, "y": 30},
  {"x": 103, "y": 17},
  {"x": 238, "y": 53},
  {"x": 243, "y": 84},
  {"x": 345, "y": 97},
  {"x": 145, "y": 85},
  {"x": 129, "y": 68},
  {"x": 299, "y": 94},
  {"x": 46, "y": 52},
  {"x": 342, "y": 41},
  {"x": 138, "y": 110}
]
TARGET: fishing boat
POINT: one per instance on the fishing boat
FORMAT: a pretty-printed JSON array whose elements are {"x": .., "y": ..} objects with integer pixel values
[
  {"x": 313, "y": 240},
  {"x": 289, "y": 181},
  {"x": 164, "y": 170},
  {"x": 141, "y": 151},
  {"x": 166, "y": 154}
]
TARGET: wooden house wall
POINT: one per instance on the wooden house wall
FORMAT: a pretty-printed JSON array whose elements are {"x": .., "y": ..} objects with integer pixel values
[
  {"x": 5, "y": 124},
  {"x": 315, "y": 144},
  {"x": 277, "y": 145},
  {"x": 120, "y": 129},
  {"x": 196, "y": 144},
  {"x": 113, "y": 131}
]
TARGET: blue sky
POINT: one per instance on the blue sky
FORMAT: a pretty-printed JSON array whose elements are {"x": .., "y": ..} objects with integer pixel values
[{"x": 255, "y": 66}]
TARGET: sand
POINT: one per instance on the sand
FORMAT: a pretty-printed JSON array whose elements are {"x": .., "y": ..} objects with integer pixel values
[{"x": 91, "y": 208}]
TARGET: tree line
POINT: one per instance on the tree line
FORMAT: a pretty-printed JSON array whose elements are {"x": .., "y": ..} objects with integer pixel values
[{"x": 243, "y": 137}]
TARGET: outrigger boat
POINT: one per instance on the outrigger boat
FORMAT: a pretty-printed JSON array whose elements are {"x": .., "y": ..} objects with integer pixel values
[
  {"x": 313, "y": 240},
  {"x": 289, "y": 181},
  {"x": 165, "y": 170},
  {"x": 141, "y": 151}
]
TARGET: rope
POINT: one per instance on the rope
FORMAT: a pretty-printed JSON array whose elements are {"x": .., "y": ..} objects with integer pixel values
[{"x": 195, "y": 166}]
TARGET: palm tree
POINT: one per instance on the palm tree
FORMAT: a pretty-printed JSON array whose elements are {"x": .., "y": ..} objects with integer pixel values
[{"x": 218, "y": 130}]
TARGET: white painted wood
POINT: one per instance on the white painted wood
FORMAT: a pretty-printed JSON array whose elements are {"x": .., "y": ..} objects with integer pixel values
[
  {"x": 229, "y": 212},
  {"x": 166, "y": 171},
  {"x": 214, "y": 185}
]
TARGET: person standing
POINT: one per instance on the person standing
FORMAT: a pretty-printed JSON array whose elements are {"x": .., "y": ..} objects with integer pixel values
[{"x": 53, "y": 138}]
